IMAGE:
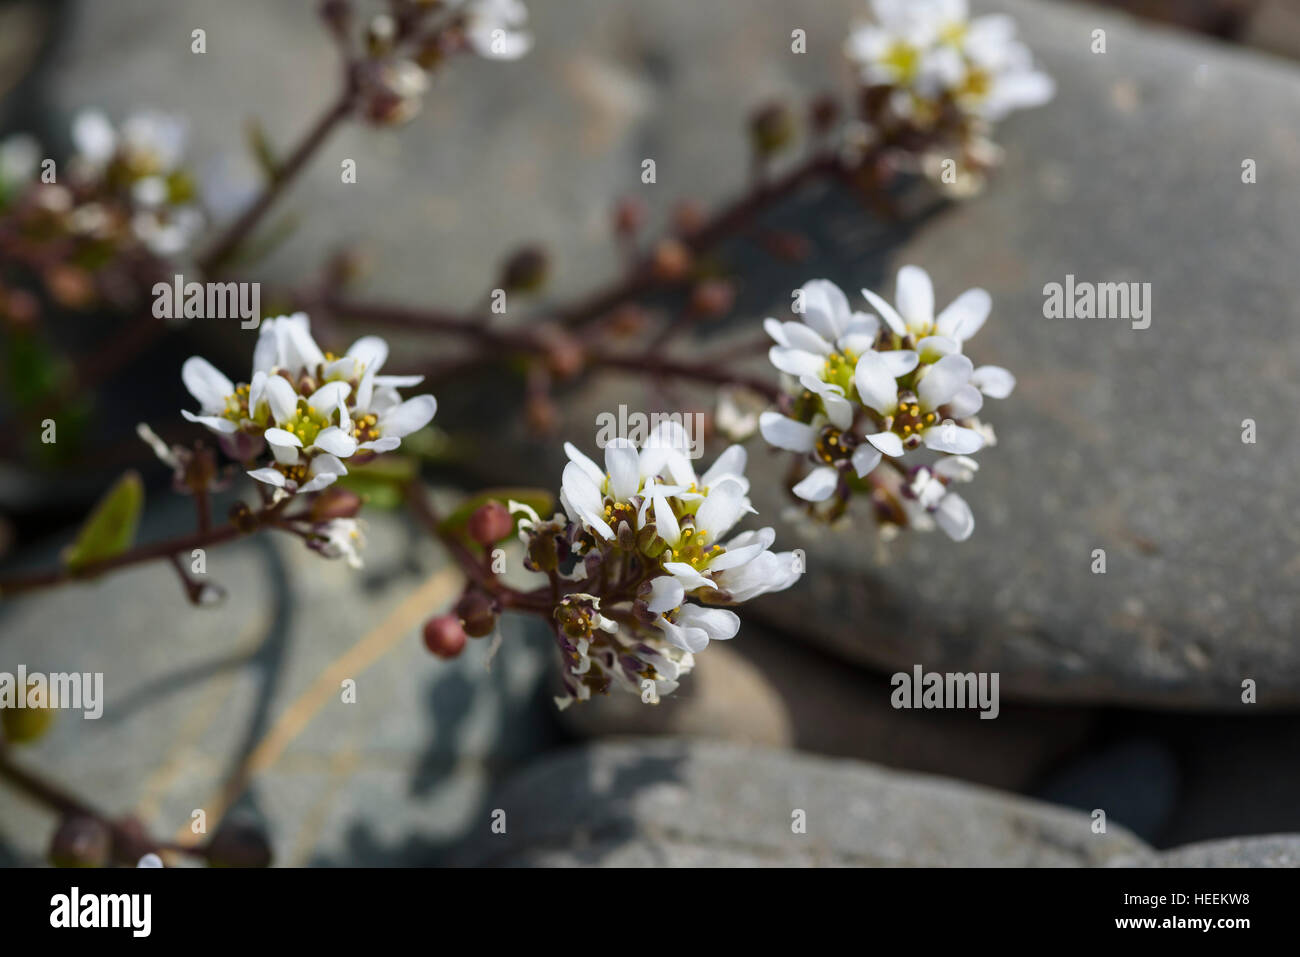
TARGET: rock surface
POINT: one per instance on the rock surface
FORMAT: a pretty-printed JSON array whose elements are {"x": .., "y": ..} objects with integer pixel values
[
  {"x": 191, "y": 694},
  {"x": 672, "y": 803}
]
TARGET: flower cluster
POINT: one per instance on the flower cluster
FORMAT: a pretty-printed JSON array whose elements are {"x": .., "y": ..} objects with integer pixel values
[
  {"x": 395, "y": 77},
  {"x": 868, "y": 392},
  {"x": 312, "y": 409},
  {"x": 648, "y": 547},
  {"x": 123, "y": 187},
  {"x": 931, "y": 69}
]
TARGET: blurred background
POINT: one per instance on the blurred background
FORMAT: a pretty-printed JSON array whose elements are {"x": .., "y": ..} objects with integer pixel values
[{"x": 1119, "y": 692}]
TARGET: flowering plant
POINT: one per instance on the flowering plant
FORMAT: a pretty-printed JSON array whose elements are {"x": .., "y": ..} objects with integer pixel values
[{"x": 646, "y": 560}]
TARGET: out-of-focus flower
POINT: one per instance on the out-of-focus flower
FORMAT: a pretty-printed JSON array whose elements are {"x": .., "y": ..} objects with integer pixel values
[{"x": 496, "y": 28}]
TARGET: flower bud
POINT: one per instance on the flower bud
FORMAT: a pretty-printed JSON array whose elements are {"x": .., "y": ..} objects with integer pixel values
[
  {"x": 629, "y": 217},
  {"x": 477, "y": 613},
  {"x": 239, "y": 844},
  {"x": 380, "y": 34},
  {"x": 444, "y": 636},
  {"x": 80, "y": 841},
  {"x": 242, "y": 517},
  {"x": 334, "y": 502},
  {"x": 649, "y": 543},
  {"x": 771, "y": 129},
  {"x": 672, "y": 261},
  {"x": 543, "y": 553},
  {"x": 25, "y": 724},
  {"x": 490, "y": 523},
  {"x": 823, "y": 113},
  {"x": 525, "y": 270},
  {"x": 712, "y": 298},
  {"x": 688, "y": 218}
]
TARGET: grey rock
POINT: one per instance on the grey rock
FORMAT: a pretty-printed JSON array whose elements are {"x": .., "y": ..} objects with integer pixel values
[
  {"x": 1274, "y": 850},
  {"x": 674, "y": 803},
  {"x": 190, "y": 694},
  {"x": 763, "y": 689}
]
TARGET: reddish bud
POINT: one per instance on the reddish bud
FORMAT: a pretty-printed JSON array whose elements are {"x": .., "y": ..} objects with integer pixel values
[
  {"x": 525, "y": 270},
  {"x": 490, "y": 523},
  {"x": 335, "y": 502},
  {"x": 688, "y": 218},
  {"x": 712, "y": 298},
  {"x": 672, "y": 261},
  {"x": 477, "y": 613},
  {"x": 444, "y": 636},
  {"x": 629, "y": 217},
  {"x": 80, "y": 841}
]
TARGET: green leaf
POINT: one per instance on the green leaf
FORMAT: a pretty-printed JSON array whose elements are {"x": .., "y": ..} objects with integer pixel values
[
  {"x": 539, "y": 499},
  {"x": 375, "y": 492},
  {"x": 111, "y": 527}
]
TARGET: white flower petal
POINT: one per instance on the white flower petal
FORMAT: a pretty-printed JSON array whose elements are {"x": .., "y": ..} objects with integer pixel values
[
  {"x": 954, "y": 516},
  {"x": 941, "y": 382},
  {"x": 281, "y": 397},
  {"x": 887, "y": 442},
  {"x": 994, "y": 381},
  {"x": 887, "y": 312},
  {"x": 622, "y": 463},
  {"x": 915, "y": 296},
  {"x": 666, "y": 593},
  {"x": 966, "y": 402},
  {"x": 370, "y": 351},
  {"x": 965, "y": 315},
  {"x": 722, "y": 508},
  {"x": 413, "y": 414},
  {"x": 268, "y": 475},
  {"x": 335, "y": 441},
  {"x": 206, "y": 383},
  {"x": 214, "y": 422},
  {"x": 786, "y": 433},
  {"x": 877, "y": 385},
  {"x": 718, "y": 623},
  {"x": 952, "y": 438},
  {"x": 818, "y": 485},
  {"x": 864, "y": 459},
  {"x": 796, "y": 362}
]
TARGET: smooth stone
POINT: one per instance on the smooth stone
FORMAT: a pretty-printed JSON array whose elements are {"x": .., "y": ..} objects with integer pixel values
[
  {"x": 664, "y": 802},
  {"x": 396, "y": 777}
]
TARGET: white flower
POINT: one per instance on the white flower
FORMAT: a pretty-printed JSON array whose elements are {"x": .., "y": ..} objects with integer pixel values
[
  {"x": 496, "y": 28},
  {"x": 94, "y": 138},
  {"x": 928, "y": 488},
  {"x": 931, "y": 49},
  {"x": 313, "y": 409},
  {"x": 20, "y": 154},
  {"x": 342, "y": 538},
  {"x": 915, "y": 316}
]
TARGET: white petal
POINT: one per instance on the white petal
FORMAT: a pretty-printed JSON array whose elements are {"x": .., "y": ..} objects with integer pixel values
[
  {"x": 206, "y": 383},
  {"x": 329, "y": 396},
  {"x": 281, "y": 397},
  {"x": 876, "y": 382},
  {"x": 865, "y": 458},
  {"x": 994, "y": 381},
  {"x": 214, "y": 422},
  {"x": 966, "y": 314},
  {"x": 282, "y": 438},
  {"x": 796, "y": 362},
  {"x": 954, "y": 516},
  {"x": 588, "y": 467},
  {"x": 941, "y": 382},
  {"x": 370, "y": 351},
  {"x": 799, "y": 336},
  {"x": 915, "y": 297},
  {"x": 666, "y": 593},
  {"x": 267, "y": 351},
  {"x": 818, "y": 485},
  {"x": 952, "y": 438},
  {"x": 776, "y": 330},
  {"x": 722, "y": 508},
  {"x": 887, "y": 442},
  {"x": 666, "y": 525},
  {"x": 826, "y": 308},
  {"x": 719, "y": 623},
  {"x": 731, "y": 462},
  {"x": 335, "y": 441},
  {"x": 413, "y": 414},
  {"x": 899, "y": 362},
  {"x": 688, "y": 576},
  {"x": 966, "y": 402},
  {"x": 786, "y": 433},
  {"x": 268, "y": 475},
  {"x": 623, "y": 465},
  {"x": 887, "y": 312},
  {"x": 934, "y": 348}
]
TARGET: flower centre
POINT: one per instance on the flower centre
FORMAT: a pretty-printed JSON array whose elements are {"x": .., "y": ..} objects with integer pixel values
[
  {"x": 839, "y": 370},
  {"x": 833, "y": 446},
  {"x": 910, "y": 420},
  {"x": 366, "y": 428},
  {"x": 306, "y": 423},
  {"x": 977, "y": 84},
  {"x": 237, "y": 405},
  {"x": 692, "y": 549},
  {"x": 904, "y": 60}
]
